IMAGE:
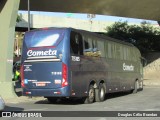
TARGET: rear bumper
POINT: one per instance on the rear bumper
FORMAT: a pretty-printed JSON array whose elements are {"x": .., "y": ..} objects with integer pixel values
[{"x": 59, "y": 92}]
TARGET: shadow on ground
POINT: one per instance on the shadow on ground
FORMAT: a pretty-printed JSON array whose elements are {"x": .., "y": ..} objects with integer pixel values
[
  {"x": 17, "y": 88},
  {"x": 8, "y": 108},
  {"x": 65, "y": 101}
]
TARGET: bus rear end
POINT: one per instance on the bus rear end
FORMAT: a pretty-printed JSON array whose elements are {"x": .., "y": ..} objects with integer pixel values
[{"x": 44, "y": 69}]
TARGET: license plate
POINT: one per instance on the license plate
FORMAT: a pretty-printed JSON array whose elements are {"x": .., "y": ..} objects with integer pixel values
[{"x": 40, "y": 84}]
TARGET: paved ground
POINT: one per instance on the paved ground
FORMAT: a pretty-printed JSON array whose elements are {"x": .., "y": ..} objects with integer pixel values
[
  {"x": 146, "y": 100},
  {"x": 152, "y": 82}
]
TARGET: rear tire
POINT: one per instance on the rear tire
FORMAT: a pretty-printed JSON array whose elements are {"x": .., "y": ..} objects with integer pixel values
[
  {"x": 141, "y": 86},
  {"x": 136, "y": 86},
  {"x": 100, "y": 93},
  {"x": 91, "y": 95}
]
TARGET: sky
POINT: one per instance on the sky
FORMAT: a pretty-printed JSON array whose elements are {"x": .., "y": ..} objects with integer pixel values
[{"x": 84, "y": 16}]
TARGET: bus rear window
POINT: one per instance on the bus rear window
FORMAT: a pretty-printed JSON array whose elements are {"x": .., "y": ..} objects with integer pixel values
[{"x": 43, "y": 38}]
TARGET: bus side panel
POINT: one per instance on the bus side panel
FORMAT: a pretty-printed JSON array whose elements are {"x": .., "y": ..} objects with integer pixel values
[
  {"x": 76, "y": 79},
  {"x": 109, "y": 68},
  {"x": 84, "y": 72},
  {"x": 115, "y": 78}
]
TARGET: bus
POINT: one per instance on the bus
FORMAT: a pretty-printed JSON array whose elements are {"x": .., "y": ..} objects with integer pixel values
[{"x": 62, "y": 63}]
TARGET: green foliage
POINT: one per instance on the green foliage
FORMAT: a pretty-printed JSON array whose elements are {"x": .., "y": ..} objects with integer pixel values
[
  {"x": 18, "y": 18},
  {"x": 144, "y": 36}
]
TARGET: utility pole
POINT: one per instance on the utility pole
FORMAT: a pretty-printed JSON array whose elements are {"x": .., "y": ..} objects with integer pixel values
[
  {"x": 91, "y": 16},
  {"x": 28, "y": 15}
]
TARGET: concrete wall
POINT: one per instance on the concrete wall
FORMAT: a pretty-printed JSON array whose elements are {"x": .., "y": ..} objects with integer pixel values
[
  {"x": 39, "y": 21},
  {"x": 151, "y": 71}
]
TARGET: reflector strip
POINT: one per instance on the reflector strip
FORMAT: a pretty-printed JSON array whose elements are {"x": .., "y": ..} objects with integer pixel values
[
  {"x": 42, "y": 82},
  {"x": 22, "y": 76},
  {"x": 28, "y": 92},
  {"x": 57, "y": 92},
  {"x": 42, "y": 57},
  {"x": 42, "y": 60}
]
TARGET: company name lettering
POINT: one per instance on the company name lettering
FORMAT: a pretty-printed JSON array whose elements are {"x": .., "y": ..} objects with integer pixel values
[
  {"x": 128, "y": 67},
  {"x": 41, "y": 53}
]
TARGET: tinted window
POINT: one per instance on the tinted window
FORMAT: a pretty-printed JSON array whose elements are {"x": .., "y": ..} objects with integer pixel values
[
  {"x": 88, "y": 45},
  {"x": 100, "y": 48},
  {"x": 93, "y": 46},
  {"x": 76, "y": 43},
  {"x": 43, "y": 38},
  {"x": 109, "y": 50},
  {"x": 118, "y": 51}
]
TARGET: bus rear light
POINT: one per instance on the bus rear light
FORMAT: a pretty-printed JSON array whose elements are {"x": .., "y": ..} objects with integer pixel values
[
  {"x": 22, "y": 77},
  {"x": 45, "y": 28},
  {"x": 64, "y": 75},
  {"x": 58, "y": 93},
  {"x": 73, "y": 93},
  {"x": 27, "y": 93}
]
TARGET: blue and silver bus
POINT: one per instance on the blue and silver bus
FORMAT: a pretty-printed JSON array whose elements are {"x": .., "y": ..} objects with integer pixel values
[{"x": 70, "y": 63}]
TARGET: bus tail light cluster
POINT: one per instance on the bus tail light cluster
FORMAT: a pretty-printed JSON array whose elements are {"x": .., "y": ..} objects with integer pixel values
[
  {"x": 27, "y": 93},
  {"x": 64, "y": 75},
  {"x": 22, "y": 76}
]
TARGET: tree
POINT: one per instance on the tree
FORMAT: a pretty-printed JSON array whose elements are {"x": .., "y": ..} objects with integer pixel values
[
  {"x": 18, "y": 18},
  {"x": 144, "y": 36}
]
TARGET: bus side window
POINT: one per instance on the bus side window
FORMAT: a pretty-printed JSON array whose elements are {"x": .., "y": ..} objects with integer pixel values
[
  {"x": 76, "y": 44},
  {"x": 124, "y": 53},
  {"x": 118, "y": 53},
  {"x": 96, "y": 51},
  {"x": 109, "y": 50},
  {"x": 100, "y": 46},
  {"x": 88, "y": 49}
]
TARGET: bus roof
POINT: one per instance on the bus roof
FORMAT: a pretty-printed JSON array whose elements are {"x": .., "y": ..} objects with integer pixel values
[
  {"x": 104, "y": 37},
  {"x": 88, "y": 32}
]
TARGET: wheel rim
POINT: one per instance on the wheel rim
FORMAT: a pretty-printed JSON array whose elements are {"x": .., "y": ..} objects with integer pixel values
[
  {"x": 101, "y": 93},
  {"x": 137, "y": 84},
  {"x": 91, "y": 95}
]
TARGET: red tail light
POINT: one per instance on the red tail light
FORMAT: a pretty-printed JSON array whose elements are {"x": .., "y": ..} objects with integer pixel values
[
  {"x": 22, "y": 77},
  {"x": 45, "y": 28},
  {"x": 64, "y": 75}
]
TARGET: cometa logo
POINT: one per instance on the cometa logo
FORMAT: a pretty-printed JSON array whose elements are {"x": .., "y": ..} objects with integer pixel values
[
  {"x": 128, "y": 67},
  {"x": 50, "y": 52}
]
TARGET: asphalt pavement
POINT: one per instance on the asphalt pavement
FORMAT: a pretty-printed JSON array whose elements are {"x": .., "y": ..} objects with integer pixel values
[{"x": 146, "y": 100}]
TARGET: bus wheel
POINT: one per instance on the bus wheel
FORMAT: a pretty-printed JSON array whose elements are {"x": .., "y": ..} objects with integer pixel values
[
  {"x": 100, "y": 93},
  {"x": 141, "y": 86},
  {"x": 91, "y": 95},
  {"x": 52, "y": 99},
  {"x": 136, "y": 86}
]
